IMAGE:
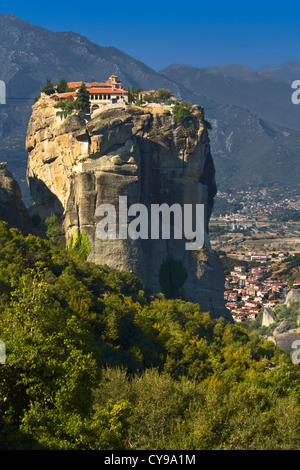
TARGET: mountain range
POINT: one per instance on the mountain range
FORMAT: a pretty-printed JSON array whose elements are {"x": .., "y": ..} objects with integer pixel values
[
  {"x": 266, "y": 91},
  {"x": 255, "y": 135}
]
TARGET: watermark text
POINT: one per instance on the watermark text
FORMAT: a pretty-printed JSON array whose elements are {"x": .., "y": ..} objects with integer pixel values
[
  {"x": 160, "y": 222},
  {"x": 2, "y": 352},
  {"x": 296, "y": 94},
  {"x": 2, "y": 92},
  {"x": 295, "y": 355}
]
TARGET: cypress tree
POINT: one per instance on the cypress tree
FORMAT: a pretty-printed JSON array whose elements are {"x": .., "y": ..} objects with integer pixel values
[
  {"x": 83, "y": 98},
  {"x": 48, "y": 88},
  {"x": 62, "y": 87}
]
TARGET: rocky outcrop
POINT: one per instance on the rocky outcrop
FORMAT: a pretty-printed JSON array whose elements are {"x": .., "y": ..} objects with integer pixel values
[
  {"x": 268, "y": 317},
  {"x": 12, "y": 209},
  {"x": 77, "y": 164},
  {"x": 286, "y": 341},
  {"x": 292, "y": 296},
  {"x": 282, "y": 328}
]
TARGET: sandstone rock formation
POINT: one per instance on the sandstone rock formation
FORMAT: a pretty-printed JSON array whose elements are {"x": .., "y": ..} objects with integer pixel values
[
  {"x": 77, "y": 164},
  {"x": 12, "y": 209},
  {"x": 282, "y": 328},
  {"x": 286, "y": 341},
  {"x": 268, "y": 317},
  {"x": 292, "y": 296}
]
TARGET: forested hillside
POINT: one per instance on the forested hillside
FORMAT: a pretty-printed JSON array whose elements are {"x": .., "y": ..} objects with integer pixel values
[{"x": 93, "y": 361}]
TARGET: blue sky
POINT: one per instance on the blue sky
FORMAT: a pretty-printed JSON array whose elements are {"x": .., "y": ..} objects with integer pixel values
[{"x": 160, "y": 33}]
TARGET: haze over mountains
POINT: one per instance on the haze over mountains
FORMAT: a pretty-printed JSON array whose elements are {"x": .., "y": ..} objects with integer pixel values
[
  {"x": 255, "y": 136},
  {"x": 266, "y": 92}
]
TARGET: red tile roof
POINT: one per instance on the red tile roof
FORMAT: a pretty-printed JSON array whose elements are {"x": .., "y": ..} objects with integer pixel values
[
  {"x": 94, "y": 91},
  {"x": 107, "y": 84},
  {"x": 78, "y": 84},
  {"x": 116, "y": 91},
  {"x": 67, "y": 94}
]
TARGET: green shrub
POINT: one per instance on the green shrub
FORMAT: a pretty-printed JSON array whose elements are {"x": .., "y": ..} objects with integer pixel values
[
  {"x": 54, "y": 231},
  {"x": 80, "y": 243},
  {"x": 163, "y": 94},
  {"x": 182, "y": 114},
  {"x": 48, "y": 88},
  {"x": 66, "y": 108}
]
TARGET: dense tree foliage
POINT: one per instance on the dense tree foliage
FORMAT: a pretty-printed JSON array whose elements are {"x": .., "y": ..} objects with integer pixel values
[
  {"x": 223, "y": 207},
  {"x": 80, "y": 243},
  {"x": 291, "y": 268},
  {"x": 82, "y": 102},
  {"x": 181, "y": 114},
  {"x": 65, "y": 108},
  {"x": 93, "y": 361},
  {"x": 48, "y": 88},
  {"x": 285, "y": 215},
  {"x": 82, "y": 98},
  {"x": 63, "y": 87},
  {"x": 53, "y": 230},
  {"x": 163, "y": 94}
]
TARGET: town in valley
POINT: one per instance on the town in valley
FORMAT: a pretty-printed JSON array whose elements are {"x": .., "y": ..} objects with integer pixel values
[{"x": 257, "y": 235}]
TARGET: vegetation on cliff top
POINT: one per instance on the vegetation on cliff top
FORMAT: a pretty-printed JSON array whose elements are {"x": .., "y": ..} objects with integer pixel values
[
  {"x": 94, "y": 362},
  {"x": 80, "y": 104},
  {"x": 181, "y": 110}
]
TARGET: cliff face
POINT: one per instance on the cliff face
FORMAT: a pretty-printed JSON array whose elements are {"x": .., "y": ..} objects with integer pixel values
[
  {"x": 75, "y": 165},
  {"x": 12, "y": 209}
]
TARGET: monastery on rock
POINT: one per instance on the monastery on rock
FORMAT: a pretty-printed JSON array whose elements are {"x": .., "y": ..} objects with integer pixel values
[{"x": 109, "y": 92}]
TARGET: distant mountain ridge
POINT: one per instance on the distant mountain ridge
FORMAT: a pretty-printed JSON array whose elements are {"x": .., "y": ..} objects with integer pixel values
[
  {"x": 266, "y": 92},
  {"x": 30, "y": 54},
  {"x": 287, "y": 72},
  {"x": 247, "y": 149}
]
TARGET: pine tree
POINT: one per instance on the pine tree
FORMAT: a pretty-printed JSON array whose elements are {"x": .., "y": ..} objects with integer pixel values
[
  {"x": 62, "y": 87},
  {"x": 83, "y": 98},
  {"x": 129, "y": 95},
  {"x": 48, "y": 88}
]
